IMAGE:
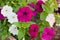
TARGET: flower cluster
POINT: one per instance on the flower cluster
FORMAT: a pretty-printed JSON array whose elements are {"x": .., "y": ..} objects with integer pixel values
[
  {"x": 7, "y": 12},
  {"x": 30, "y": 21}
]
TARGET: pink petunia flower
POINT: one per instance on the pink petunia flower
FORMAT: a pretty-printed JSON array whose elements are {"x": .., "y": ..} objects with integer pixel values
[
  {"x": 24, "y": 14},
  {"x": 48, "y": 33},
  {"x": 33, "y": 31}
]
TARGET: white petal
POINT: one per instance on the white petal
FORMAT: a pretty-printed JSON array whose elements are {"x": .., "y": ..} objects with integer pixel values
[
  {"x": 51, "y": 19},
  {"x": 23, "y": 39},
  {"x": 6, "y": 10},
  {"x": 13, "y": 29},
  {"x": 11, "y": 15},
  {"x": 12, "y": 18}
]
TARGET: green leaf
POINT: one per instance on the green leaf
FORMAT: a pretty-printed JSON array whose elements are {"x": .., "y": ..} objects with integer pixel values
[
  {"x": 57, "y": 19},
  {"x": 46, "y": 8},
  {"x": 4, "y": 32},
  {"x": 49, "y": 6},
  {"x": 4, "y": 36},
  {"x": 28, "y": 24},
  {"x": 31, "y": 1},
  {"x": 43, "y": 15},
  {"x": 23, "y": 24},
  {"x": 0, "y": 23},
  {"x": 21, "y": 33},
  {"x": 2, "y": 4},
  {"x": 55, "y": 5},
  {"x": 45, "y": 23},
  {"x": 41, "y": 29},
  {"x": 18, "y": 24},
  {"x": 24, "y": 2}
]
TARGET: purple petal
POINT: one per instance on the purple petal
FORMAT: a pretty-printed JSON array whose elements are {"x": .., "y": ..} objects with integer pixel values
[
  {"x": 31, "y": 4},
  {"x": 1, "y": 16},
  {"x": 34, "y": 13}
]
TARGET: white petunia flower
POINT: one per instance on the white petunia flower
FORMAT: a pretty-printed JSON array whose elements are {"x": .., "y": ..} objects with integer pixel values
[
  {"x": 13, "y": 29},
  {"x": 12, "y": 17},
  {"x": 51, "y": 19},
  {"x": 6, "y": 10}
]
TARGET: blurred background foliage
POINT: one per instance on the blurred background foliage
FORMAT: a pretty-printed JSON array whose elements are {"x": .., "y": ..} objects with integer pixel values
[{"x": 15, "y": 3}]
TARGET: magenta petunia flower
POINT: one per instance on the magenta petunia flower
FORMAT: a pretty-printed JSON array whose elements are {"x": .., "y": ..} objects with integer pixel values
[
  {"x": 33, "y": 31},
  {"x": 39, "y": 6},
  {"x": 48, "y": 33},
  {"x": 1, "y": 16},
  {"x": 24, "y": 14}
]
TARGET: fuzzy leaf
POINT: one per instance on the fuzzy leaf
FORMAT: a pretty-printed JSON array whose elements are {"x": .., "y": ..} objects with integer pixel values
[
  {"x": 23, "y": 24},
  {"x": 18, "y": 24},
  {"x": 45, "y": 23},
  {"x": 57, "y": 19},
  {"x": 43, "y": 15},
  {"x": 21, "y": 34}
]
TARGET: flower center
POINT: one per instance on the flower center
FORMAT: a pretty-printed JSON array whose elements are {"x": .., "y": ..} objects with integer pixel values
[
  {"x": 15, "y": 28},
  {"x": 40, "y": 6},
  {"x": 25, "y": 13},
  {"x": 34, "y": 30},
  {"x": 13, "y": 17},
  {"x": 48, "y": 33},
  {"x": 6, "y": 10}
]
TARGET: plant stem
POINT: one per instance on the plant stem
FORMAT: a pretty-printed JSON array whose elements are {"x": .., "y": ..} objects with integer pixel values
[
  {"x": 4, "y": 23},
  {"x": 0, "y": 22}
]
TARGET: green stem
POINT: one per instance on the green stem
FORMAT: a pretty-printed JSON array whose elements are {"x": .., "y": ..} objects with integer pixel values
[
  {"x": 4, "y": 23},
  {"x": 0, "y": 22}
]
